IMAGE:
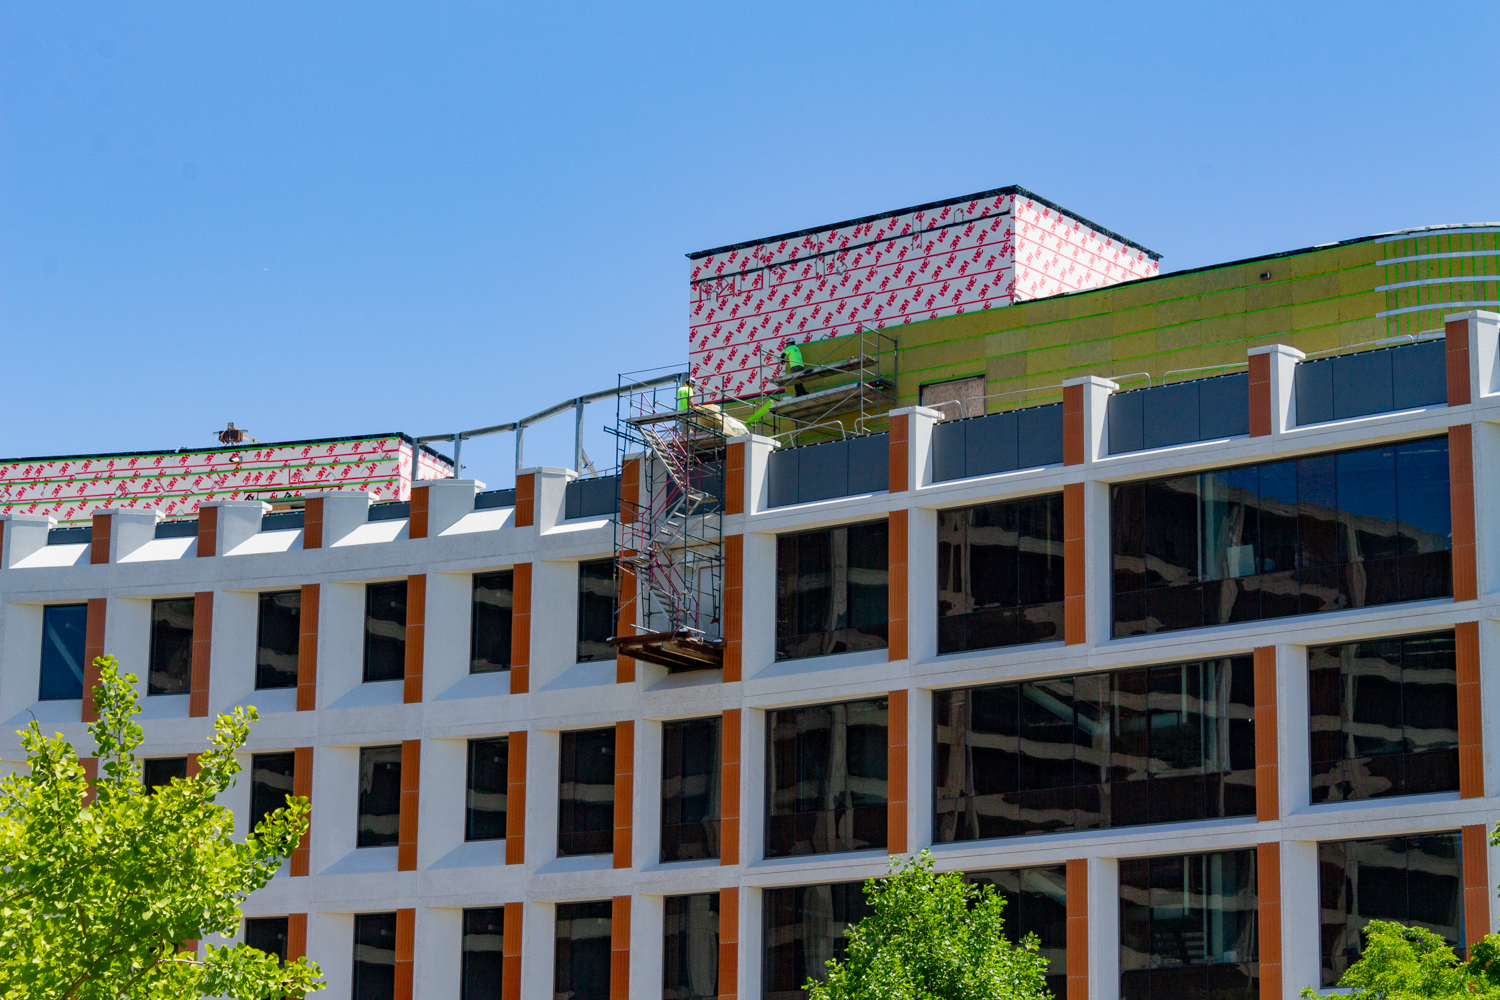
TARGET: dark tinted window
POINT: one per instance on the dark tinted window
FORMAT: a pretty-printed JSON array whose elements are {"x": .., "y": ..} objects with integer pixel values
[
  {"x": 385, "y": 631},
  {"x": 831, "y": 590},
  {"x": 374, "y": 956},
  {"x": 1384, "y": 717},
  {"x": 690, "y": 774},
  {"x": 1411, "y": 880},
  {"x": 277, "y": 634},
  {"x": 484, "y": 948},
  {"x": 581, "y": 962},
  {"x": 171, "y": 646},
  {"x": 1000, "y": 574},
  {"x": 489, "y": 630},
  {"x": 379, "y": 796},
  {"x": 270, "y": 783},
  {"x": 157, "y": 772},
  {"x": 1162, "y": 744},
  {"x": 596, "y": 609},
  {"x": 826, "y": 778},
  {"x": 1036, "y": 902},
  {"x": 805, "y": 926},
  {"x": 484, "y": 813},
  {"x": 63, "y": 628},
  {"x": 1188, "y": 927},
  {"x": 586, "y": 792},
  {"x": 690, "y": 959},
  {"x": 267, "y": 934},
  {"x": 1353, "y": 529}
]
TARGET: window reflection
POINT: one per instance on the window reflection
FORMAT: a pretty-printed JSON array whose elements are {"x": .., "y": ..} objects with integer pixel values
[
  {"x": 1347, "y": 530},
  {"x": 581, "y": 958},
  {"x": 1036, "y": 902},
  {"x": 805, "y": 926},
  {"x": 691, "y": 767},
  {"x": 586, "y": 792},
  {"x": 1000, "y": 574},
  {"x": 826, "y": 778},
  {"x": 1149, "y": 745},
  {"x": 831, "y": 590},
  {"x": 690, "y": 951}
]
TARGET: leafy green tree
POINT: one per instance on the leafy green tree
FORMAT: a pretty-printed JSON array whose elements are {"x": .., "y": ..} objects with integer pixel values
[
  {"x": 932, "y": 937},
  {"x": 95, "y": 897},
  {"x": 1413, "y": 963}
]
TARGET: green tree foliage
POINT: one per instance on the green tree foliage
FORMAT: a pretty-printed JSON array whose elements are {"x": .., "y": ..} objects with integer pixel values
[
  {"x": 95, "y": 897},
  {"x": 1413, "y": 963},
  {"x": 933, "y": 937}
]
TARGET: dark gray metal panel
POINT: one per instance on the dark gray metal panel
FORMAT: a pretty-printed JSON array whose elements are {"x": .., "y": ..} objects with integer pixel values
[
  {"x": 990, "y": 444},
  {"x": 781, "y": 475},
  {"x": 1126, "y": 421},
  {"x": 1039, "y": 435},
  {"x": 948, "y": 450},
  {"x": 823, "y": 471},
  {"x": 1361, "y": 384},
  {"x": 1171, "y": 414},
  {"x": 494, "y": 498},
  {"x": 281, "y": 520},
  {"x": 593, "y": 497},
  {"x": 178, "y": 529},
  {"x": 391, "y": 510},
  {"x": 573, "y": 499},
  {"x": 1224, "y": 406},
  {"x": 1313, "y": 387},
  {"x": 1419, "y": 375},
  {"x": 869, "y": 463}
]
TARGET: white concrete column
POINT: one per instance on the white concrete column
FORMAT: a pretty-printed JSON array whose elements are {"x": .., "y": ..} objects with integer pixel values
[
  {"x": 448, "y": 500},
  {"x": 238, "y": 522},
  {"x": 445, "y": 640},
  {"x": 751, "y": 941},
  {"x": 647, "y": 927},
  {"x": 645, "y": 812},
  {"x": 343, "y": 511},
  {"x": 757, "y": 486},
  {"x": 554, "y": 620},
  {"x": 752, "y": 790},
  {"x": 1484, "y": 332},
  {"x": 550, "y": 499},
  {"x": 1293, "y": 742},
  {"x": 24, "y": 535},
  {"x": 1098, "y": 579},
  {"x": 1096, "y": 393},
  {"x": 130, "y": 528},
  {"x": 437, "y": 970},
  {"x": 919, "y": 751},
  {"x": 1284, "y": 361},
  {"x": 543, "y": 758},
  {"x": 918, "y": 443},
  {"x": 538, "y": 939},
  {"x": 921, "y": 584},
  {"x": 1301, "y": 935},
  {"x": 758, "y": 604},
  {"x": 1104, "y": 929}
]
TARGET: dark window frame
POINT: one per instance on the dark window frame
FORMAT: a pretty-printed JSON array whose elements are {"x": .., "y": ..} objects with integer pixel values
[
  {"x": 265, "y": 667},
  {"x": 851, "y": 808},
  {"x": 173, "y": 643},
  {"x": 65, "y": 641},
  {"x": 485, "y": 616},
  {"x": 585, "y": 825},
  {"x": 684, "y": 838},
  {"x": 833, "y": 590},
  {"x": 480, "y": 824},
  {"x": 1000, "y": 574}
]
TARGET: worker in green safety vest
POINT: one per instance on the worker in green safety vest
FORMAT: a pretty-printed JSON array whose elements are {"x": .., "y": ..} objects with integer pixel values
[
  {"x": 685, "y": 396},
  {"x": 791, "y": 358}
]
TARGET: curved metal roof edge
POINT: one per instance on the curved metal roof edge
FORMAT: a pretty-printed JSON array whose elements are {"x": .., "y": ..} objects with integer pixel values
[{"x": 1014, "y": 189}]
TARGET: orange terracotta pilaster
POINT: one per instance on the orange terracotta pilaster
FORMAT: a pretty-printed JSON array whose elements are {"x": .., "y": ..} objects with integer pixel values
[
  {"x": 896, "y": 790},
  {"x": 406, "y": 940},
  {"x": 99, "y": 541},
  {"x": 302, "y": 772},
  {"x": 520, "y": 629},
  {"x": 1461, "y": 496},
  {"x": 1267, "y": 768},
  {"x": 416, "y": 515},
  {"x": 619, "y": 949},
  {"x": 1456, "y": 354},
  {"x": 734, "y": 607},
  {"x": 416, "y": 632},
  {"x": 312, "y": 523},
  {"x": 307, "y": 648},
  {"x": 526, "y": 500},
  {"x": 1268, "y": 905},
  {"x": 1078, "y": 929},
  {"x": 510, "y": 952},
  {"x": 1073, "y": 430},
  {"x": 93, "y": 648},
  {"x": 90, "y": 767},
  {"x": 411, "y": 778},
  {"x": 896, "y": 645},
  {"x": 729, "y": 788},
  {"x": 729, "y": 943},
  {"x": 515, "y": 802},
  {"x": 624, "y": 791},
  {"x": 900, "y": 443},
  {"x": 734, "y": 478},
  {"x": 1470, "y": 712},
  {"x": 1075, "y": 624},
  {"x": 625, "y": 597},
  {"x": 1260, "y": 395},
  {"x": 296, "y": 936},
  {"x": 208, "y": 531},
  {"x": 1476, "y": 883},
  {"x": 203, "y": 631}
]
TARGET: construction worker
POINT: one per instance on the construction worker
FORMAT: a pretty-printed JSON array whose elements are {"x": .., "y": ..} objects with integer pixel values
[
  {"x": 791, "y": 358},
  {"x": 685, "y": 396}
]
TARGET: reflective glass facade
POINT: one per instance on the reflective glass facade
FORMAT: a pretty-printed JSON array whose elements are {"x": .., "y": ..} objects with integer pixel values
[
  {"x": 485, "y": 798},
  {"x": 1352, "y": 529},
  {"x": 1188, "y": 927},
  {"x": 690, "y": 952},
  {"x": 596, "y": 609},
  {"x": 379, "y": 796},
  {"x": 277, "y": 633},
  {"x": 586, "y": 792},
  {"x": 267, "y": 934},
  {"x": 1413, "y": 880},
  {"x": 1000, "y": 574},
  {"x": 171, "y": 669},
  {"x": 158, "y": 772},
  {"x": 1384, "y": 717},
  {"x": 484, "y": 953},
  {"x": 581, "y": 960},
  {"x": 374, "y": 956},
  {"x": 691, "y": 774},
  {"x": 826, "y": 778},
  {"x": 803, "y": 927},
  {"x": 489, "y": 624},
  {"x": 385, "y": 631},
  {"x": 63, "y": 628},
  {"x": 1036, "y": 902},
  {"x": 831, "y": 590},
  {"x": 270, "y": 783},
  {"x": 1149, "y": 745}
]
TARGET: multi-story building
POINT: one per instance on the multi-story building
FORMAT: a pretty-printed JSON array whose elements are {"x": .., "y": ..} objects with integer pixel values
[{"x": 1198, "y": 670}]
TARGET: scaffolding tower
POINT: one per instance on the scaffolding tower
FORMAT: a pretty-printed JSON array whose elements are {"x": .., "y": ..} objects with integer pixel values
[{"x": 669, "y": 550}]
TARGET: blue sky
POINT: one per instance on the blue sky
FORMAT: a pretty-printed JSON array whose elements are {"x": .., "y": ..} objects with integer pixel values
[{"x": 320, "y": 219}]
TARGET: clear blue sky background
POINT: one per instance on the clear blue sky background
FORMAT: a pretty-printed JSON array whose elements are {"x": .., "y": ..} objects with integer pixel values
[{"x": 321, "y": 219}]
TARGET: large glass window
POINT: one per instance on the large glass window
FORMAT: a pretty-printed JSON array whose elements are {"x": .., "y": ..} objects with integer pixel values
[
  {"x": 690, "y": 776},
  {"x": 596, "y": 609},
  {"x": 267, "y": 934},
  {"x": 1411, "y": 880},
  {"x": 831, "y": 590},
  {"x": 374, "y": 956},
  {"x": 690, "y": 959},
  {"x": 1000, "y": 574},
  {"x": 489, "y": 772},
  {"x": 805, "y": 926},
  {"x": 385, "y": 631},
  {"x": 171, "y": 670},
  {"x": 63, "y": 628},
  {"x": 580, "y": 968},
  {"x": 1353, "y": 529},
  {"x": 484, "y": 953},
  {"x": 158, "y": 772},
  {"x": 826, "y": 778},
  {"x": 1188, "y": 927},
  {"x": 586, "y": 792},
  {"x": 1036, "y": 902},
  {"x": 489, "y": 628},
  {"x": 379, "y": 796},
  {"x": 270, "y": 783},
  {"x": 1157, "y": 744},
  {"x": 1384, "y": 717},
  {"x": 278, "y": 632}
]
